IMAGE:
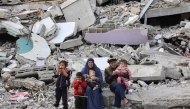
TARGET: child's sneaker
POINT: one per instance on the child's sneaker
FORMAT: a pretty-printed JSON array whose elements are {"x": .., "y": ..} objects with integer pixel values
[{"x": 96, "y": 87}]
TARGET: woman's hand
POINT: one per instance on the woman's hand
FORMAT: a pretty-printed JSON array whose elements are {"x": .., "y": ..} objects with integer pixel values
[
  {"x": 87, "y": 76},
  {"x": 94, "y": 78}
]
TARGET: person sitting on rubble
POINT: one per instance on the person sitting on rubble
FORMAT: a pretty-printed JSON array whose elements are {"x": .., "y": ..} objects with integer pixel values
[
  {"x": 90, "y": 81},
  {"x": 116, "y": 88},
  {"x": 95, "y": 99},
  {"x": 123, "y": 69},
  {"x": 79, "y": 89},
  {"x": 62, "y": 84}
]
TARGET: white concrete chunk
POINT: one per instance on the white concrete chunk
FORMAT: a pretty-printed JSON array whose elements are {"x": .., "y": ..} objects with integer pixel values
[
  {"x": 103, "y": 52},
  {"x": 65, "y": 30},
  {"x": 4, "y": 13},
  {"x": 147, "y": 72},
  {"x": 55, "y": 11},
  {"x": 82, "y": 15},
  {"x": 40, "y": 49},
  {"x": 71, "y": 43}
]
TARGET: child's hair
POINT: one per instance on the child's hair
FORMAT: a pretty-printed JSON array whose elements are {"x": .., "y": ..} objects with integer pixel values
[
  {"x": 64, "y": 62},
  {"x": 79, "y": 74},
  {"x": 124, "y": 61}
]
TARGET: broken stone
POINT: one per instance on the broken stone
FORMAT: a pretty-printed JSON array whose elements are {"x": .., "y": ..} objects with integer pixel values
[
  {"x": 155, "y": 72},
  {"x": 28, "y": 14},
  {"x": 71, "y": 43},
  {"x": 65, "y": 30},
  {"x": 103, "y": 52},
  {"x": 83, "y": 15},
  {"x": 55, "y": 11},
  {"x": 4, "y": 13}
]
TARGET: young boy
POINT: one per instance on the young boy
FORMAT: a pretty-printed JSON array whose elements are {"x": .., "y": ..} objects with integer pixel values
[
  {"x": 90, "y": 82},
  {"x": 79, "y": 89},
  {"x": 123, "y": 69},
  {"x": 62, "y": 84}
]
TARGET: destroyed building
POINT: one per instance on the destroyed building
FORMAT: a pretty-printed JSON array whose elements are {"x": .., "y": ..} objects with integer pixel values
[{"x": 36, "y": 35}]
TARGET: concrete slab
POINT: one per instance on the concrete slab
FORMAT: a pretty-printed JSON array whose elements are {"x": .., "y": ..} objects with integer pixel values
[
  {"x": 28, "y": 14},
  {"x": 13, "y": 28},
  {"x": 185, "y": 8},
  {"x": 28, "y": 6},
  {"x": 50, "y": 30},
  {"x": 71, "y": 43},
  {"x": 163, "y": 96},
  {"x": 65, "y": 30},
  {"x": 101, "y": 1},
  {"x": 165, "y": 59},
  {"x": 4, "y": 13},
  {"x": 119, "y": 36},
  {"x": 154, "y": 72},
  {"x": 82, "y": 15},
  {"x": 103, "y": 52},
  {"x": 38, "y": 43},
  {"x": 55, "y": 11}
]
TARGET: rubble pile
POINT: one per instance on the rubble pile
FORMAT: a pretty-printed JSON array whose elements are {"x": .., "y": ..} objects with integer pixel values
[{"x": 158, "y": 57}]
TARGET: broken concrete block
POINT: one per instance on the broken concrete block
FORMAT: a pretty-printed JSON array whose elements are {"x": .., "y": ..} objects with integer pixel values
[
  {"x": 46, "y": 76},
  {"x": 147, "y": 61},
  {"x": 71, "y": 43},
  {"x": 50, "y": 28},
  {"x": 83, "y": 15},
  {"x": 28, "y": 14},
  {"x": 132, "y": 19},
  {"x": 154, "y": 73},
  {"x": 173, "y": 73},
  {"x": 3, "y": 54},
  {"x": 4, "y": 13},
  {"x": 35, "y": 52},
  {"x": 128, "y": 58},
  {"x": 103, "y": 52},
  {"x": 101, "y": 1},
  {"x": 77, "y": 66},
  {"x": 41, "y": 30},
  {"x": 55, "y": 11},
  {"x": 65, "y": 30},
  {"x": 14, "y": 29}
]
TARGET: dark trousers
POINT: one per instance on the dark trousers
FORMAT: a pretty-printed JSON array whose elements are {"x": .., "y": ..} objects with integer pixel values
[
  {"x": 92, "y": 84},
  {"x": 80, "y": 102},
  {"x": 61, "y": 92},
  {"x": 119, "y": 90}
]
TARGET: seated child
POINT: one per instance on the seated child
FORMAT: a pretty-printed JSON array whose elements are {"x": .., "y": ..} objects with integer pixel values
[
  {"x": 123, "y": 69},
  {"x": 79, "y": 89},
  {"x": 90, "y": 82}
]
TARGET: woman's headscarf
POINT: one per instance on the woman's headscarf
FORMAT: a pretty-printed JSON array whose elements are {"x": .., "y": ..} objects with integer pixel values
[{"x": 86, "y": 69}]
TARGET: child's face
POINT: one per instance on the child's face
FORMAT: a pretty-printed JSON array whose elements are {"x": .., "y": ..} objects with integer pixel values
[
  {"x": 79, "y": 78},
  {"x": 92, "y": 73},
  {"x": 122, "y": 64},
  {"x": 62, "y": 65}
]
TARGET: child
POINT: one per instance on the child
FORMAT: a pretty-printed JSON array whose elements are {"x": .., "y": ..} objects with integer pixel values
[
  {"x": 79, "y": 88},
  {"x": 90, "y": 82},
  {"x": 123, "y": 69},
  {"x": 62, "y": 84}
]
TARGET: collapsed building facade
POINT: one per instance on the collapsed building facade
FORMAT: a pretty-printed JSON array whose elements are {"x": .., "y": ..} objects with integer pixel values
[{"x": 47, "y": 32}]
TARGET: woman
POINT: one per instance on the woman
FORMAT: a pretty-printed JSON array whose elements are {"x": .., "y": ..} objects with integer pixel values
[{"x": 94, "y": 100}]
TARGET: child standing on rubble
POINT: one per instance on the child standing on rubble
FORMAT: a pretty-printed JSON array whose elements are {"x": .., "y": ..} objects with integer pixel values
[
  {"x": 123, "y": 69},
  {"x": 79, "y": 89},
  {"x": 62, "y": 84}
]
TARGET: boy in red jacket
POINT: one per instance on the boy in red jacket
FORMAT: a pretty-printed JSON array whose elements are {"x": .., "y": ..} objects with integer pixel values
[{"x": 79, "y": 89}]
